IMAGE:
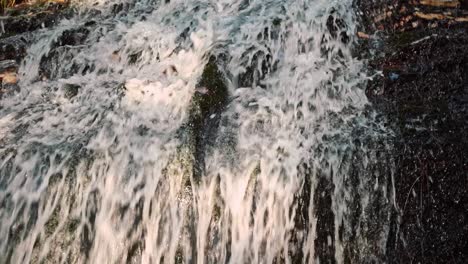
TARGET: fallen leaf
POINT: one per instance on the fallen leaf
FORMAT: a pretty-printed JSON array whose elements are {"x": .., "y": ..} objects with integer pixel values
[
  {"x": 430, "y": 16},
  {"x": 363, "y": 35},
  {"x": 440, "y": 3},
  {"x": 9, "y": 78}
]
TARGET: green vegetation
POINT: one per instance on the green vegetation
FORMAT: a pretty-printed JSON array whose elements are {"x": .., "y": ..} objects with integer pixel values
[{"x": 4, "y": 4}]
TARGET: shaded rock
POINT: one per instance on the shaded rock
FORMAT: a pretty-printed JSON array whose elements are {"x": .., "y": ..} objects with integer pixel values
[
  {"x": 71, "y": 90},
  {"x": 208, "y": 103},
  {"x": 258, "y": 63},
  {"x": 464, "y": 4},
  {"x": 261, "y": 64},
  {"x": 30, "y": 18},
  {"x": 7, "y": 65},
  {"x": 14, "y": 47},
  {"x": 337, "y": 27},
  {"x": 72, "y": 37},
  {"x": 188, "y": 164},
  {"x": 325, "y": 241},
  {"x": 64, "y": 50},
  {"x": 428, "y": 107}
]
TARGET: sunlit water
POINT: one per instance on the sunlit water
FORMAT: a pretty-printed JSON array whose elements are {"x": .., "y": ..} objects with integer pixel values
[{"x": 101, "y": 160}]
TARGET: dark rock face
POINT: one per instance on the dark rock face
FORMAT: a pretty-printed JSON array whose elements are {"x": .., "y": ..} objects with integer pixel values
[
  {"x": 424, "y": 93},
  {"x": 16, "y": 33},
  {"x": 11, "y": 52},
  {"x": 14, "y": 47},
  {"x": 7, "y": 64},
  {"x": 71, "y": 90},
  {"x": 430, "y": 102},
  {"x": 18, "y": 21},
  {"x": 207, "y": 106},
  {"x": 63, "y": 50},
  {"x": 325, "y": 250}
]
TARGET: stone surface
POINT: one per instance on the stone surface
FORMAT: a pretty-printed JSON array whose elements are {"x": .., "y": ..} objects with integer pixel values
[
  {"x": 16, "y": 34},
  {"x": 71, "y": 90},
  {"x": 27, "y": 18},
  {"x": 14, "y": 47},
  {"x": 64, "y": 49},
  {"x": 8, "y": 77},
  {"x": 8, "y": 64},
  {"x": 424, "y": 93}
]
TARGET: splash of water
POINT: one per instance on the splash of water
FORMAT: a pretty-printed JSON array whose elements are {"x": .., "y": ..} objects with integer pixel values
[{"x": 194, "y": 131}]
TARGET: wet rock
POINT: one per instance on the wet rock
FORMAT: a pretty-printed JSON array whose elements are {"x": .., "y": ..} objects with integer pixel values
[
  {"x": 64, "y": 48},
  {"x": 121, "y": 7},
  {"x": 464, "y": 4},
  {"x": 428, "y": 107},
  {"x": 14, "y": 47},
  {"x": 34, "y": 17},
  {"x": 71, "y": 90},
  {"x": 18, "y": 25},
  {"x": 8, "y": 77},
  {"x": 208, "y": 102},
  {"x": 8, "y": 87},
  {"x": 300, "y": 232},
  {"x": 7, "y": 65},
  {"x": 261, "y": 64},
  {"x": 325, "y": 241},
  {"x": 188, "y": 165},
  {"x": 72, "y": 37},
  {"x": 258, "y": 63},
  {"x": 337, "y": 27}
]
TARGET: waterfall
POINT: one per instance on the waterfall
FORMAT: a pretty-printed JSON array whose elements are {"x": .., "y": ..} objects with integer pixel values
[{"x": 195, "y": 131}]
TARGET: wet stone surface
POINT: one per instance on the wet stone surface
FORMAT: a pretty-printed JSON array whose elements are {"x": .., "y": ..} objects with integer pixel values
[
  {"x": 28, "y": 18},
  {"x": 423, "y": 91},
  {"x": 65, "y": 49},
  {"x": 16, "y": 35}
]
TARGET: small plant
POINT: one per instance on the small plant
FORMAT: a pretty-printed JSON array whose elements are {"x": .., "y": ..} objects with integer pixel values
[{"x": 4, "y": 4}]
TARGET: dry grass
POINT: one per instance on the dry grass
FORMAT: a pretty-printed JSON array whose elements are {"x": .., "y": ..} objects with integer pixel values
[
  {"x": 4, "y": 4},
  {"x": 24, "y": 4}
]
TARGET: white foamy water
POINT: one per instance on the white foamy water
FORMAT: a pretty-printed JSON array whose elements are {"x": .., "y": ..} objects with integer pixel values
[{"x": 103, "y": 159}]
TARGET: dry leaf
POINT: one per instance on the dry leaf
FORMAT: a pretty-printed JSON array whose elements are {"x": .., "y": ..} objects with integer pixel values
[
  {"x": 363, "y": 35},
  {"x": 441, "y": 3}
]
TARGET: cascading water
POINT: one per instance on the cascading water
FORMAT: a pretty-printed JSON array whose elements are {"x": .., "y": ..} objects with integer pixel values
[{"x": 229, "y": 131}]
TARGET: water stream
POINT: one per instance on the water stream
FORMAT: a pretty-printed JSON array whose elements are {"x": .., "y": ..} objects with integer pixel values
[{"x": 195, "y": 131}]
